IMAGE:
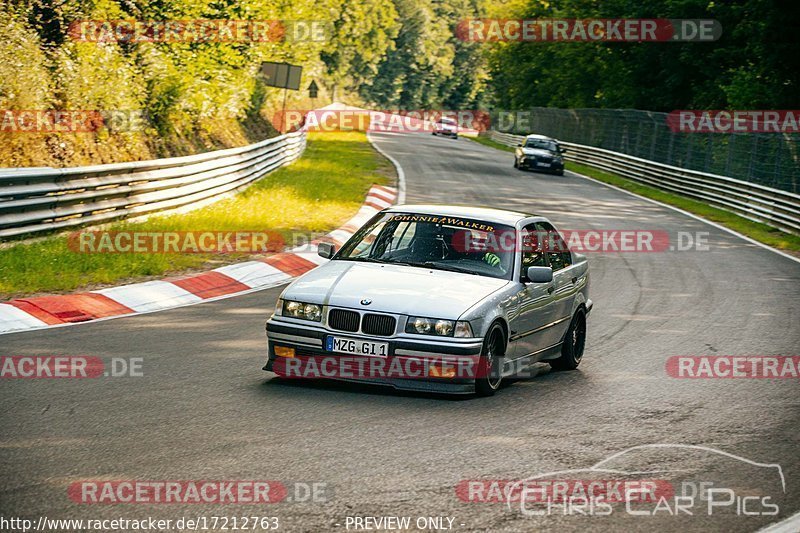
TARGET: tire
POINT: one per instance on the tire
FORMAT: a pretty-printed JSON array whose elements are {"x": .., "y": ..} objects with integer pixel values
[
  {"x": 489, "y": 377},
  {"x": 455, "y": 137},
  {"x": 516, "y": 162},
  {"x": 560, "y": 173},
  {"x": 573, "y": 345}
]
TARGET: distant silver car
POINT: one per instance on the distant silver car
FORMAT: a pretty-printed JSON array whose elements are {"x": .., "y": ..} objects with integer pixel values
[
  {"x": 445, "y": 126},
  {"x": 444, "y": 288}
]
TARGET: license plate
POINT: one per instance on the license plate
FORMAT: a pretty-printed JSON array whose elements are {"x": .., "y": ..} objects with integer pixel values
[
  {"x": 545, "y": 165},
  {"x": 356, "y": 346}
]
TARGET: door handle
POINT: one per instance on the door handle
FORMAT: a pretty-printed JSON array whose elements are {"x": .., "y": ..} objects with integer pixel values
[
  {"x": 550, "y": 289},
  {"x": 574, "y": 280}
]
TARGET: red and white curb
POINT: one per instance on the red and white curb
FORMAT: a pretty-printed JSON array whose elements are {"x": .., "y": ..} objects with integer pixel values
[{"x": 52, "y": 311}]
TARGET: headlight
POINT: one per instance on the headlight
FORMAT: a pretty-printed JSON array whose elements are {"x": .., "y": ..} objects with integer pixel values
[
  {"x": 302, "y": 310},
  {"x": 438, "y": 327},
  {"x": 423, "y": 326},
  {"x": 312, "y": 312},
  {"x": 443, "y": 327}
]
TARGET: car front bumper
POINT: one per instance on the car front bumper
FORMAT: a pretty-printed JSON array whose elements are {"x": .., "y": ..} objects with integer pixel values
[
  {"x": 412, "y": 356},
  {"x": 537, "y": 165}
]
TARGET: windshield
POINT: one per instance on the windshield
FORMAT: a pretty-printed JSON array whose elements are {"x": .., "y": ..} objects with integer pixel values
[
  {"x": 541, "y": 144},
  {"x": 437, "y": 242},
  {"x": 448, "y": 122}
]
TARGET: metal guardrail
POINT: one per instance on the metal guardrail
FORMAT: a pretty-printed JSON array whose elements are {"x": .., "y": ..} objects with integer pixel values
[
  {"x": 34, "y": 200},
  {"x": 766, "y": 159},
  {"x": 777, "y": 208}
]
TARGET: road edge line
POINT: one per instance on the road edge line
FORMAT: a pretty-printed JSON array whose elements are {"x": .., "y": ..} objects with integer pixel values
[
  {"x": 691, "y": 215},
  {"x": 677, "y": 209},
  {"x": 401, "y": 175}
]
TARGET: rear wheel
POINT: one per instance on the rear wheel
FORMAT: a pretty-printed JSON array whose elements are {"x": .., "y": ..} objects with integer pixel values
[
  {"x": 574, "y": 342},
  {"x": 491, "y": 363}
]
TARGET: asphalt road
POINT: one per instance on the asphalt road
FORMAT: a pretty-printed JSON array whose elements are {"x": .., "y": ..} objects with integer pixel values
[{"x": 204, "y": 409}]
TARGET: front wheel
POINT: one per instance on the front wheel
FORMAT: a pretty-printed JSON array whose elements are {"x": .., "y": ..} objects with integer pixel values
[
  {"x": 574, "y": 342},
  {"x": 491, "y": 362}
]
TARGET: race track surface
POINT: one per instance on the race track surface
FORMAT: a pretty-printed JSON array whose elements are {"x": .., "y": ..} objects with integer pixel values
[{"x": 204, "y": 409}]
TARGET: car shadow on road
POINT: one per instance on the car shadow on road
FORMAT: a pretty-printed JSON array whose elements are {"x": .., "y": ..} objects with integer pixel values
[{"x": 542, "y": 374}]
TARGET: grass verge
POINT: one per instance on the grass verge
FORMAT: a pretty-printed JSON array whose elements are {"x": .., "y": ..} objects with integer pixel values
[
  {"x": 755, "y": 230},
  {"x": 315, "y": 194}
]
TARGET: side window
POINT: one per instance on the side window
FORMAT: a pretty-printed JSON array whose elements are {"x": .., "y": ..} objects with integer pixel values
[
  {"x": 532, "y": 250},
  {"x": 556, "y": 249}
]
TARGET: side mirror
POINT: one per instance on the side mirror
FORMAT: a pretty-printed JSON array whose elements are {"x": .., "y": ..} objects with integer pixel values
[
  {"x": 537, "y": 274},
  {"x": 326, "y": 250},
  {"x": 562, "y": 150},
  {"x": 519, "y": 145}
]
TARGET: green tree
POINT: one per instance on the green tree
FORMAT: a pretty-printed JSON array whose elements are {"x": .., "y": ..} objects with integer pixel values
[{"x": 362, "y": 34}]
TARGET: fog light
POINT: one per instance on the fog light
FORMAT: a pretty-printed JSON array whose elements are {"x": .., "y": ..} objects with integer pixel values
[
  {"x": 442, "y": 372},
  {"x": 284, "y": 351}
]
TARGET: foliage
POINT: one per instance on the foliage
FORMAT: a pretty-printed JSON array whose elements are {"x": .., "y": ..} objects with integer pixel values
[
  {"x": 754, "y": 65},
  {"x": 429, "y": 67},
  {"x": 390, "y": 54}
]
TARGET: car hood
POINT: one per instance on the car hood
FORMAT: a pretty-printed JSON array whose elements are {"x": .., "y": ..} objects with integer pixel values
[
  {"x": 538, "y": 152},
  {"x": 393, "y": 289}
]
